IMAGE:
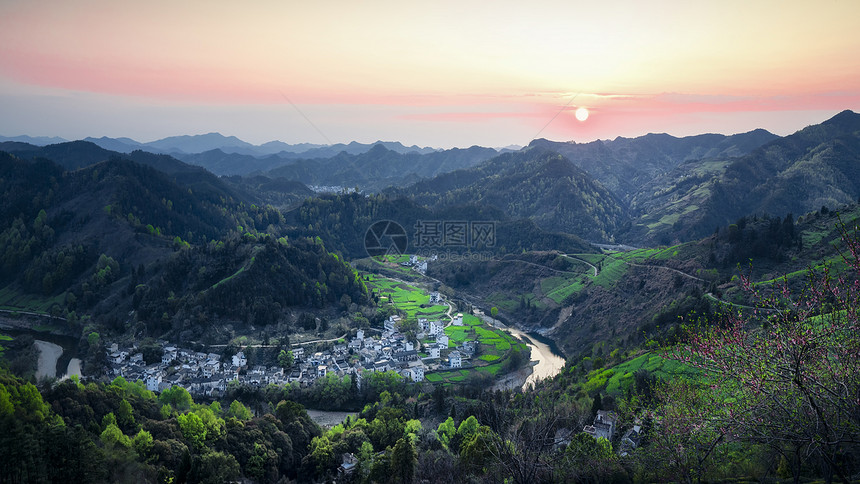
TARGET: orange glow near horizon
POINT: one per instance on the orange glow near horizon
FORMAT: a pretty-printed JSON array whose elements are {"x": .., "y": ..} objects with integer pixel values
[{"x": 654, "y": 67}]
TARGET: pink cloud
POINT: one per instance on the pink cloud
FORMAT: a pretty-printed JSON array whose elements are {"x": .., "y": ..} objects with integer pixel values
[{"x": 179, "y": 83}]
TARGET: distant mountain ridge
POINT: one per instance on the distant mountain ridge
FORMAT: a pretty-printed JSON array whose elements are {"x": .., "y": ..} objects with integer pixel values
[
  {"x": 34, "y": 140},
  {"x": 651, "y": 189},
  {"x": 74, "y": 155},
  {"x": 816, "y": 166},
  {"x": 534, "y": 183},
  {"x": 380, "y": 167},
  {"x": 624, "y": 165},
  {"x": 201, "y": 143}
]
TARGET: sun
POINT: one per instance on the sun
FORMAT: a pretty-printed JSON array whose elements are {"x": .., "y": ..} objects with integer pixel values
[{"x": 582, "y": 114}]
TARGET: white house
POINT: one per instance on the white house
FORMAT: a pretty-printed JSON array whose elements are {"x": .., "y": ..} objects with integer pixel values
[
  {"x": 604, "y": 425},
  {"x": 458, "y": 320},
  {"x": 417, "y": 374},
  {"x": 152, "y": 382},
  {"x": 455, "y": 359},
  {"x": 298, "y": 352},
  {"x": 435, "y": 327},
  {"x": 359, "y": 334},
  {"x": 442, "y": 340},
  {"x": 168, "y": 356},
  {"x": 389, "y": 323},
  {"x": 434, "y": 298},
  {"x": 210, "y": 368},
  {"x": 239, "y": 359}
]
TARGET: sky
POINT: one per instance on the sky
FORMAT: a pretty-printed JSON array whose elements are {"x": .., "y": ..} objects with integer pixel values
[{"x": 442, "y": 73}]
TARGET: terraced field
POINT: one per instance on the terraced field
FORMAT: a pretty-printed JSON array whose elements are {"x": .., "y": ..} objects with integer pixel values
[{"x": 494, "y": 345}]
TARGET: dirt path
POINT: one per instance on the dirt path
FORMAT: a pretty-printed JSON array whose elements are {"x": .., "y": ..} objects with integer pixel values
[
  {"x": 544, "y": 266},
  {"x": 676, "y": 271},
  {"x": 593, "y": 267},
  {"x": 30, "y": 313}
]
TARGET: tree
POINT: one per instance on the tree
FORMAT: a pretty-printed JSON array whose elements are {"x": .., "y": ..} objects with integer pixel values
[
  {"x": 587, "y": 459},
  {"x": 787, "y": 376},
  {"x": 238, "y": 411},
  {"x": 193, "y": 429},
  {"x": 112, "y": 437},
  {"x": 404, "y": 458},
  {"x": 125, "y": 416},
  {"x": 215, "y": 468},
  {"x": 494, "y": 311},
  {"x": 142, "y": 443},
  {"x": 285, "y": 359},
  {"x": 177, "y": 397},
  {"x": 446, "y": 431}
]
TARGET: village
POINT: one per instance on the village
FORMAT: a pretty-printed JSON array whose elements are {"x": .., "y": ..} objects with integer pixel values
[{"x": 209, "y": 373}]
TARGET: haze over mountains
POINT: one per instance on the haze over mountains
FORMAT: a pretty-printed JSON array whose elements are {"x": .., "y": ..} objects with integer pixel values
[{"x": 654, "y": 188}]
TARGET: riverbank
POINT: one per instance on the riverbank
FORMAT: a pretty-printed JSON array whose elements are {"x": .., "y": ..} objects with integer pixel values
[
  {"x": 545, "y": 363},
  {"x": 49, "y": 354}
]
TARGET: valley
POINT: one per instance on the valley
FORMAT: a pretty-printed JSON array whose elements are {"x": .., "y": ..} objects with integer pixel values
[{"x": 467, "y": 303}]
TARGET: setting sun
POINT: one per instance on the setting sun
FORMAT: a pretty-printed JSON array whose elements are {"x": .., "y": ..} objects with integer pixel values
[{"x": 582, "y": 114}]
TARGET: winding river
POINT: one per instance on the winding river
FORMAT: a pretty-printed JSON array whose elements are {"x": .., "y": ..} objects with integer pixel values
[
  {"x": 56, "y": 353},
  {"x": 49, "y": 358},
  {"x": 545, "y": 361}
]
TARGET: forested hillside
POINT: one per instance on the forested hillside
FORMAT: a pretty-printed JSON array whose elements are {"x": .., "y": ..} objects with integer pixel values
[
  {"x": 380, "y": 167},
  {"x": 185, "y": 257},
  {"x": 536, "y": 184},
  {"x": 817, "y": 166}
]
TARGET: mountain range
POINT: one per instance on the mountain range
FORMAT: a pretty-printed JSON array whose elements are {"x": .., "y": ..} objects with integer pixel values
[
  {"x": 651, "y": 189},
  {"x": 226, "y": 251}
]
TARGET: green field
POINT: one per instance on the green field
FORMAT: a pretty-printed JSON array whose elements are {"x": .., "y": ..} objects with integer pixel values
[
  {"x": 4, "y": 337},
  {"x": 611, "y": 271},
  {"x": 558, "y": 288},
  {"x": 14, "y": 300},
  {"x": 407, "y": 298},
  {"x": 494, "y": 349},
  {"x": 615, "y": 380}
]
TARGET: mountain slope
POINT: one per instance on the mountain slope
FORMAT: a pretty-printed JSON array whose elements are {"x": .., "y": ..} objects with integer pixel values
[
  {"x": 818, "y": 165},
  {"x": 118, "y": 236},
  {"x": 624, "y": 165},
  {"x": 381, "y": 167},
  {"x": 537, "y": 184}
]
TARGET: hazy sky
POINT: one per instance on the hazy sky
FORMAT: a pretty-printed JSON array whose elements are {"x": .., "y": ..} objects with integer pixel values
[{"x": 440, "y": 73}]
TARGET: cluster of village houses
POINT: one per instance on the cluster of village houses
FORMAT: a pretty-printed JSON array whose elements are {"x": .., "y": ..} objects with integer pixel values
[
  {"x": 604, "y": 426},
  {"x": 419, "y": 265},
  {"x": 208, "y": 373}
]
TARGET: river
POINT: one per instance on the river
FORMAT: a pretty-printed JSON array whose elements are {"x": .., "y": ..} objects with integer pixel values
[
  {"x": 545, "y": 361},
  {"x": 49, "y": 357},
  {"x": 56, "y": 353}
]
